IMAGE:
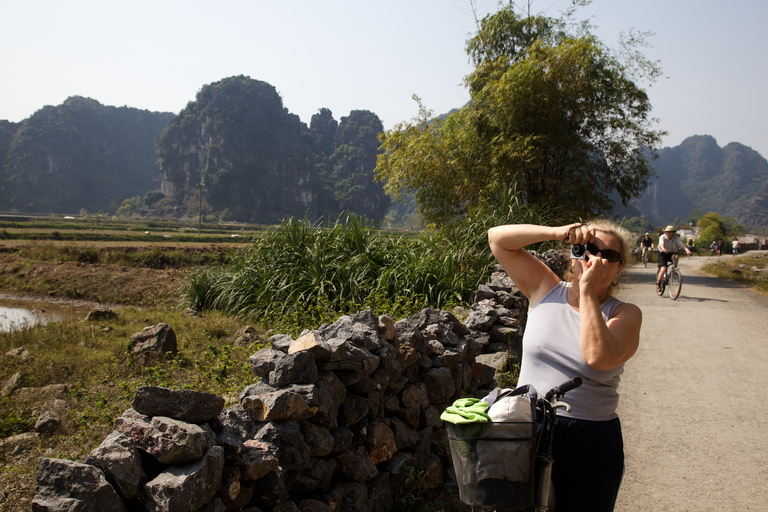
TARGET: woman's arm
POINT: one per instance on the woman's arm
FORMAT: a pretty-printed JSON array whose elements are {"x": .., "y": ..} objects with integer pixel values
[
  {"x": 530, "y": 275},
  {"x": 607, "y": 345}
]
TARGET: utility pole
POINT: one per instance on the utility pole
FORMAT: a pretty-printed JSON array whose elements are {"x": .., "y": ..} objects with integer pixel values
[
  {"x": 202, "y": 177},
  {"x": 200, "y": 210}
]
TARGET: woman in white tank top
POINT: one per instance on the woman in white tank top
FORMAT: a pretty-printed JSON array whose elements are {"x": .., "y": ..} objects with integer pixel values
[{"x": 577, "y": 329}]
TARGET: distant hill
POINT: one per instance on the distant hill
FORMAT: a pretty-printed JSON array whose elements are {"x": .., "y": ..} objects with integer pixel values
[
  {"x": 80, "y": 154},
  {"x": 699, "y": 174},
  {"x": 257, "y": 162},
  {"x": 262, "y": 163}
]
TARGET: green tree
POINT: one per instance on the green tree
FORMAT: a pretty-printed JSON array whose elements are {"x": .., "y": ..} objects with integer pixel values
[
  {"x": 152, "y": 197},
  {"x": 714, "y": 226},
  {"x": 558, "y": 114}
]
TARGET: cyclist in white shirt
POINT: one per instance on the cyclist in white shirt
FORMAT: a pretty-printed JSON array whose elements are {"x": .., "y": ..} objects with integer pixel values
[{"x": 669, "y": 245}]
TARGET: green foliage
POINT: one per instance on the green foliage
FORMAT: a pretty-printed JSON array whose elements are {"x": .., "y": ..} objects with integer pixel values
[
  {"x": 640, "y": 226},
  {"x": 714, "y": 226},
  {"x": 152, "y": 197},
  {"x": 303, "y": 272},
  {"x": 14, "y": 422},
  {"x": 130, "y": 206},
  {"x": 556, "y": 113}
]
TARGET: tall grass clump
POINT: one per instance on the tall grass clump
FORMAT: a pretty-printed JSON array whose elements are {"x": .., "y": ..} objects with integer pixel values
[{"x": 303, "y": 272}]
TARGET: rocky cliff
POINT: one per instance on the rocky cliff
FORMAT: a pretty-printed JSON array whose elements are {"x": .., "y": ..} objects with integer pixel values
[
  {"x": 80, "y": 154},
  {"x": 261, "y": 162},
  {"x": 699, "y": 174}
]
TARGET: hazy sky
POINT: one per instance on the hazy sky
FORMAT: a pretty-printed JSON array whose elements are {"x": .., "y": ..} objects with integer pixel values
[{"x": 359, "y": 54}]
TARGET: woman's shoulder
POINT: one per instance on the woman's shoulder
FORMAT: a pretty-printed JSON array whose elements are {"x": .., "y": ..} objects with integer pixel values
[{"x": 627, "y": 309}]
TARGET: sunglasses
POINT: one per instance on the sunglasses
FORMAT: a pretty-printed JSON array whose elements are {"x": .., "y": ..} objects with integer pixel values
[{"x": 608, "y": 254}]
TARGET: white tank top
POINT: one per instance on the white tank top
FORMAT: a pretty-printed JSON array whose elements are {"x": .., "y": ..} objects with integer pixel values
[{"x": 552, "y": 355}]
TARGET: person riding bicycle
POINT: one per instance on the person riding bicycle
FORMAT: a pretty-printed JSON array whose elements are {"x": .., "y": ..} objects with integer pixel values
[
  {"x": 669, "y": 245},
  {"x": 577, "y": 329},
  {"x": 646, "y": 243}
]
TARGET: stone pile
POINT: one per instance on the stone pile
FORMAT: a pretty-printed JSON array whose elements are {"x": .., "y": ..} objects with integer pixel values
[{"x": 338, "y": 416}]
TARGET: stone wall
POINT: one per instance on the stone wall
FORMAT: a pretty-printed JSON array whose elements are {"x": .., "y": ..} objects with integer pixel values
[{"x": 338, "y": 419}]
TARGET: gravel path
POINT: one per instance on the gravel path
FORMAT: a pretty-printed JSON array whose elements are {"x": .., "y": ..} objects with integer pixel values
[{"x": 693, "y": 397}]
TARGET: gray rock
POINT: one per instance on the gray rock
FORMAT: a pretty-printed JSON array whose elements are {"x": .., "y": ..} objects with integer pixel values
[
  {"x": 319, "y": 439},
  {"x": 440, "y": 385},
  {"x": 185, "y": 488},
  {"x": 12, "y": 383},
  {"x": 175, "y": 442},
  {"x": 237, "y": 426},
  {"x": 120, "y": 461},
  {"x": 50, "y": 416},
  {"x": 66, "y": 485},
  {"x": 317, "y": 478},
  {"x": 182, "y": 404},
  {"x": 18, "y": 444},
  {"x": 264, "y": 361},
  {"x": 482, "y": 317},
  {"x": 311, "y": 505},
  {"x": 270, "y": 491},
  {"x": 280, "y": 342},
  {"x": 215, "y": 505},
  {"x": 329, "y": 394},
  {"x": 255, "y": 460},
  {"x": 286, "y": 444},
  {"x": 153, "y": 342},
  {"x": 281, "y": 404},
  {"x": 286, "y": 506},
  {"x": 299, "y": 368},
  {"x": 357, "y": 465},
  {"x": 20, "y": 353},
  {"x": 405, "y": 437}
]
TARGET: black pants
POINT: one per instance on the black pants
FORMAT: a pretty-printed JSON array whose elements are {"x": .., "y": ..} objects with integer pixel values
[{"x": 589, "y": 464}]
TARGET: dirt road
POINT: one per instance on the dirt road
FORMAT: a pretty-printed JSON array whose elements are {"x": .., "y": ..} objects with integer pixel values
[{"x": 693, "y": 398}]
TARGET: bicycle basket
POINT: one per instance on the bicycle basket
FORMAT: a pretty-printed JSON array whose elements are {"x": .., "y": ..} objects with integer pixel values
[{"x": 494, "y": 462}]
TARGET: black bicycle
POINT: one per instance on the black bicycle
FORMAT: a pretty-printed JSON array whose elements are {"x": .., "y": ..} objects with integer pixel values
[
  {"x": 545, "y": 494},
  {"x": 673, "y": 282}
]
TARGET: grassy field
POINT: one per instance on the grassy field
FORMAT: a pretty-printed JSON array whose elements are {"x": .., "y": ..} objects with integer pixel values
[
  {"x": 142, "y": 279},
  {"x": 748, "y": 270}
]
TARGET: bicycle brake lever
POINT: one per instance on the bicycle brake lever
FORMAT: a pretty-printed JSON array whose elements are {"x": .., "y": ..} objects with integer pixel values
[{"x": 556, "y": 404}]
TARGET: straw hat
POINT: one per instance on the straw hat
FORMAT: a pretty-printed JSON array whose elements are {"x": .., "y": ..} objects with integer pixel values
[{"x": 670, "y": 228}]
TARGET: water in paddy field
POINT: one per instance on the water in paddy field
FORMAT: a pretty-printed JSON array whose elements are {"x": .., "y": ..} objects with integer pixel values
[{"x": 21, "y": 314}]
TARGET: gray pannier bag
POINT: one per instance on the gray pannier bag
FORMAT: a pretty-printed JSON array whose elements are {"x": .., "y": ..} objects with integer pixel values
[{"x": 495, "y": 465}]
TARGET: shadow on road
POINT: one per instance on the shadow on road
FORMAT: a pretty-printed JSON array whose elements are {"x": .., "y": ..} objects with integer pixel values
[{"x": 639, "y": 275}]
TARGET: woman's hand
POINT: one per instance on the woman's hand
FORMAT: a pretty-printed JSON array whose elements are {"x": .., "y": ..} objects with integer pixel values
[
  {"x": 577, "y": 233},
  {"x": 592, "y": 273}
]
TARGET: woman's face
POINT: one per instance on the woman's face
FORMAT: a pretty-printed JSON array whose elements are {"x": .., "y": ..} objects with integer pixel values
[{"x": 613, "y": 269}]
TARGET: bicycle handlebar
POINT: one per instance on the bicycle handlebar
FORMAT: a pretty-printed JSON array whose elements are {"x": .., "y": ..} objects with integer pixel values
[{"x": 563, "y": 388}]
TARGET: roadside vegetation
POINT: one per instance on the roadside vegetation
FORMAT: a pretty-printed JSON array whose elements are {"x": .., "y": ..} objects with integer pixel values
[
  {"x": 748, "y": 270},
  {"x": 303, "y": 273}
]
